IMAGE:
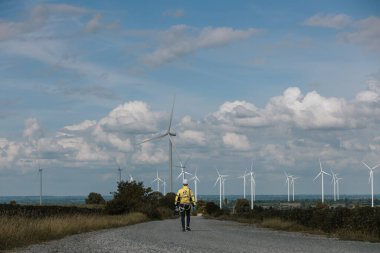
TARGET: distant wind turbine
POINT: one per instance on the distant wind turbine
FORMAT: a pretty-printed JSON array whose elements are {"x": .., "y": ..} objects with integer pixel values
[
  {"x": 119, "y": 170},
  {"x": 243, "y": 177},
  {"x": 321, "y": 174},
  {"x": 220, "y": 180},
  {"x": 371, "y": 178},
  {"x": 337, "y": 187},
  {"x": 288, "y": 181},
  {"x": 158, "y": 180},
  {"x": 196, "y": 180},
  {"x": 131, "y": 178},
  {"x": 293, "y": 179},
  {"x": 253, "y": 185},
  {"x": 40, "y": 172},
  {"x": 168, "y": 133},
  {"x": 164, "y": 184},
  {"x": 334, "y": 181}
]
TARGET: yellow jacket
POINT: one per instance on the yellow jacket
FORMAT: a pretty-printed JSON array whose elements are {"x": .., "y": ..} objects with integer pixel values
[{"x": 185, "y": 196}]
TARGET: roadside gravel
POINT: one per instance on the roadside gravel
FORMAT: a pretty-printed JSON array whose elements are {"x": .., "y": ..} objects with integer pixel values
[{"x": 207, "y": 236}]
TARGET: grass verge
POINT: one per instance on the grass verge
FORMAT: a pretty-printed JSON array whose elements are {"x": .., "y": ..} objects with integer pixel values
[{"x": 20, "y": 231}]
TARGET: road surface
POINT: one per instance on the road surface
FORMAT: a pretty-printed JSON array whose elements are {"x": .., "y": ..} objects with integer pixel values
[{"x": 207, "y": 236}]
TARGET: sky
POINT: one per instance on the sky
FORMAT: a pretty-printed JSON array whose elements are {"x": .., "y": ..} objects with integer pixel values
[{"x": 279, "y": 83}]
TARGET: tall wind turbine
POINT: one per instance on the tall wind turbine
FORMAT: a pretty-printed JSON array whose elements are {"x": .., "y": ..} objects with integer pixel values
[
  {"x": 333, "y": 181},
  {"x": 288, "y": 181},
  {"x": 243, "y": 177},
  {"x": 293, "y": 179},
  {"x": 168, "y": 133},
  {"x": 119, "y": 170},
  {"x": 196, "y": 180},
  {"x": 321, "y": 174},
  {"x": 371, "y": 178},
  {"x": 158, "y": 180},
  {"x": 253, "y": 185},
  {"x": 40, "y": 172},
  {"x": 220, "y": 179},
  {"x": 164, "y": 184},
  {"x": 337, "y": 187}
]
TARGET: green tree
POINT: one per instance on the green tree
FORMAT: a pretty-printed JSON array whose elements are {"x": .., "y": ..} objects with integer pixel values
[{"x": 95, "y": 198}]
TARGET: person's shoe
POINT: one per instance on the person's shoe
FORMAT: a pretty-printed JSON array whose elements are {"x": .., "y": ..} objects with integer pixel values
[
  {"x": 183, "y": 229},
  {"x": 188, "y": 229}
]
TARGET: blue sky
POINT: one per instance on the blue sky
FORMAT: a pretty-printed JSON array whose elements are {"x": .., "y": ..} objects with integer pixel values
[{"x": 281, "y": 82}]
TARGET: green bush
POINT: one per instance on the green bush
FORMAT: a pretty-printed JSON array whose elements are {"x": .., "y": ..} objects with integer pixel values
[
  {"x": 95, "y": 198},
  {"x": 242, "y": 206}
]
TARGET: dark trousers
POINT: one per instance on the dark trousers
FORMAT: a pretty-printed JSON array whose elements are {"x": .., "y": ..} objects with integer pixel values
[{"x": 186, "y": 211}]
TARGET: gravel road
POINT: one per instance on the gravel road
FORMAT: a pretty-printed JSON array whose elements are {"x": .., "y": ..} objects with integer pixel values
[{"x": 207, "y": 236}]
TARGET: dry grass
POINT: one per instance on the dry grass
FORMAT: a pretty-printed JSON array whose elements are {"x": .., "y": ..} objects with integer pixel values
[{"x": 20, "y": 231}]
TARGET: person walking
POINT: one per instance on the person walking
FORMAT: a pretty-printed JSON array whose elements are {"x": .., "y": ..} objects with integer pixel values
[{"x": 183, "y": 201}]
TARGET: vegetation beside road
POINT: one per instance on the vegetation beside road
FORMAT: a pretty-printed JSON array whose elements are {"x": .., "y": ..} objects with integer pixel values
[
  {"x": 22, "y": 225},
  {"x": 362, "y": 223}
]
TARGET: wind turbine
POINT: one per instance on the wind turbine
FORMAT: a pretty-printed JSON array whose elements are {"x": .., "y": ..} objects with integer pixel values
[
  {"x": 288, "y": 178},
  {"x": 220, "y": 179},
  {"x": 196, "y": 180},
  {"x": 158, "y": 181},
  {"x": 293, "y": 178},
  {"x": 164, "y": 184},
  {"x": 119, "y": 170},
  {"x": 131, "y": 178},
  {"x": 183, "y": 171},
  {"x": 253, "y": 186},
  {"x": 243, "y": 177},
  {"x": 40, "y": 172},
  {"x": 337, "y": 186},
  {"x": 321, "y": 174},
  {"x": 168, "y": 133},
  {"x": 333, "y": 181},
  {"x": 371, "y": 177}
]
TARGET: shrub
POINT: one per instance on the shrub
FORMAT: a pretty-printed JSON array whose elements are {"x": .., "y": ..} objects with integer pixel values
[
  {"x": 95, "y": 198},
  {"x": 242, "y": 206},
  {"x": 212, "y": 209}
]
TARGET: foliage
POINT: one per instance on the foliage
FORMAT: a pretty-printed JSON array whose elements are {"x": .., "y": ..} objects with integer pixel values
[
  {"x": 95, "y": 198},
  {"x": 44, "y": 211},
  {"x": 134, "y": 197},
  {"x": 242, "y": 206}
]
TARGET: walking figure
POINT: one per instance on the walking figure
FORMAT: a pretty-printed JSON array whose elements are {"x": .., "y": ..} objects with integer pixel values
[{"x": 183, "y": 201}]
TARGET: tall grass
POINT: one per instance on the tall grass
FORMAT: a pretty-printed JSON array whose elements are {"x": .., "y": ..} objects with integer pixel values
[{"x": 17, "y": 231}]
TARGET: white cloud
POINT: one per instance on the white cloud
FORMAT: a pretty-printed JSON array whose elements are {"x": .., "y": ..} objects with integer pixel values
[
  {"x": 32, "y": 129},
  {"x": 95, "y": 24},
  {"x": 82, "y": 126},
  {"x": 182, "y": 40},
  {"x": 133, "y": 116},
  {"x": 236, "y": 141},
  {"x": 329, "y": 20},
  {"x": 367, "y": 33},
  {"x": 174, "y": 13},
  {"x": 193, "y": 137},
  {"x": 149, "y": 156}
]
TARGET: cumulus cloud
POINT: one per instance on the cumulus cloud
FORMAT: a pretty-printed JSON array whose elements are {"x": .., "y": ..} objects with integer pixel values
[
  {"x": 81, "y": 126},
  {"x": 32, "y": 129},
  {"x": 182, "y": 40},
  {"x": 329, "y": 20},
  {"x": 193, "y": 137},
  {"x": 236, "y": 141},
  {"x": 148, "y": 155}
]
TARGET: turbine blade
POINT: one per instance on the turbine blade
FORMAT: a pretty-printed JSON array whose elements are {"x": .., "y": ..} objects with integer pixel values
[
  {"x": 171, "y": 116},
  {"x": 376, "y": 166},
  {"x": 216, "y": 181},
  {"x": 317, "y": 176},
  {"x": 154, "y": 138},
  {"x": 366, "y": 165}
]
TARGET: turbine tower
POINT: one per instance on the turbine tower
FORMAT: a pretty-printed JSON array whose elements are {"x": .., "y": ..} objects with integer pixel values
[
  {"x": 288, "y": 181},
  {"x": 196, "y": 180},
  {"x": 333, "y": 181},
  {"x": 253, "y": 185},
  {"x": 337, "y": 186},
  {"x": 220, "y": 179},
  {"x": 321, "y": 174},
  {"x": 293, "y": 179},
  {"x": 371, "y": 178},
  {"x": 119, "y": 170},
  {"x": 168, "y": 133},
  {"x": 40, "y": 172},
  {"x": 158, "y": 180},
  {"x": 243, "y": 177},
  {"x": 131, "y": 178},
  {"x": 164, "y": 184}
]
